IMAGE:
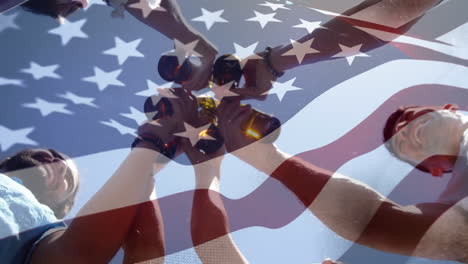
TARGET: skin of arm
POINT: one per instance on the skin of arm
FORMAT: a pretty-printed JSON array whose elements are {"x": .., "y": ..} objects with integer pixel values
[
  {"x": 450, "y": 231},
  {"x": 173, "y": 25},
  {"x": 94, "y": 237},
  {"x": 386, "y": 15},
  {"x": 348, "y": 207},
  {"x": 103, "y": 224},
  {"x": 209, "y": 226},
  {"x": 358, "y": 213},
  {"x": 389, "y": 16},
  {"x": 145, "y": 239}
]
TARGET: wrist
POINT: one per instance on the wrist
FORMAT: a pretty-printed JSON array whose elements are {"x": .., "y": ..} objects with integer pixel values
[
  {"x": 265, "y": 157},
  {"x": 268, "y": 63},
  {"x": 206, "y": 48},
  {"x": 281, "y": 63},
  {"x": 148, "y": 141},
  {"x": 211, "y": 167}
]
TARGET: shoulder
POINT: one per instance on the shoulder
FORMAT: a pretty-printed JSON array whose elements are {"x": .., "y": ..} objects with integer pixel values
[
  {"x": 19, "y": 209},
  {"x": 23, "y": 220},
  {"x": 447, "y": 238}
]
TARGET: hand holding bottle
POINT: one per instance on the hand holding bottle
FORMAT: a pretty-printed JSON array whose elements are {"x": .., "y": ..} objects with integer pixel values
[
  {"x": 258, "y": 80},
  {"x": 158, "y": 133},
  {"x": 231, "y": 117}
]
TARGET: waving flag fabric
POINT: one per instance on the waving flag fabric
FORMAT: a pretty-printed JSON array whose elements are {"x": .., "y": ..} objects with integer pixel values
[
  {"x": 79, "y": 87},
  {"x": 73, "y": 74}
]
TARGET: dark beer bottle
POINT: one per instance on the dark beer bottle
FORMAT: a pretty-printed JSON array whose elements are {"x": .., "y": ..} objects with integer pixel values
[
  {"x": 163, "y": 108},
  {"x": 226, "y": 68},
  {"x": 170, "y": 70}
]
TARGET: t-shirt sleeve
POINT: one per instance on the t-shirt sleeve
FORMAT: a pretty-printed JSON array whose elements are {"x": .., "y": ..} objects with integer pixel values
[
  {"x": 23, "y": 221},
  {"x": 52, "y": 229}
]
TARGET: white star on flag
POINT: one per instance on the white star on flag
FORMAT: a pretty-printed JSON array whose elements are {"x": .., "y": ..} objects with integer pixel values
[
  {"x": 8, "y": 21},
  {"x": 274, "y": 6},
  {"x": 123, "y": 50},
  {"x": 245, "y": 53},
  {"x": 6, "y": 81},
  {"x": 94, "y": 2},
  {"x": 263, "y": 19},
  {"x": 209, "y": 18},
  {"x": 350, "y": 53},
  {"x": 309, "y": 26},
  {"x": 135, "y": 115},
  {"x": 76, "y": 99},
  {"x": 69, "y": 30},
  {"x": 223, "y": 90},
  {"x": 38, "y": 72},
  {"x": 280, "y": 89},
  {"x": 183, "y": 51},
  {"x": 149, "y": 117},
  {"x": 154, "y": 3},
  {"x": 162, "y": 93},
  {"x": 104, "y": 79},
  {"x": 300, "y": 49},
  {"x": 46, "y": 108},
  {"x": 9, "y": 137},
  {"x": 152, "y": 88},
  {"x": 123, "y": 130},
  {"x": 166, "y": 92},
  {"x": 145, "y": 7},
  {"x": 195, "y": 134}
]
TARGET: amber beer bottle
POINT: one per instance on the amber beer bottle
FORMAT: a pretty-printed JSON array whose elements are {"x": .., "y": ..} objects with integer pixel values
[
  {"x": 257, "y": 126},
  {"x": 163, "y": 108},
  {"x": 170, "y": 70},
  {"x": 226, "y": 69}
]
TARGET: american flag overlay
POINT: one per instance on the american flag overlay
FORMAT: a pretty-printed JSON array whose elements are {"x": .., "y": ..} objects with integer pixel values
[{"x": 79, "y": 87}]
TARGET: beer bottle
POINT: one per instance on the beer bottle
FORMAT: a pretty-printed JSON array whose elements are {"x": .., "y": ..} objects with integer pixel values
[
  {"x": 226, "y": 69},
  {"x": 163, "y": 108},
  {"x": 257, "y": 126},
  {"x": 170, "y": 70}
]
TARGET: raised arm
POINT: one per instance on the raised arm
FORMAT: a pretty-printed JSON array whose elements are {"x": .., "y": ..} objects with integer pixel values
[
  {"x": 388, "y": 16},
  {"x": 394, "y": 16},
  {"x": 209, "y": 226},
  {"x": 104, "y": 222},
  {"x": 350, "y": 208},
  {"x": 168, "y": 20}
]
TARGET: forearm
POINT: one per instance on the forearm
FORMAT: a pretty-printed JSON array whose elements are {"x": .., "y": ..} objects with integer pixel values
[
  {"x": 393, "y": 16},
  {"x": 102, "y": 224},
  {"x": 392, "y": 13},
  {"x": 209, "y": 224},
  {"x": 348, "y": 207},
  {"x": 172, "y": 24},
  {"x": 145, "y": 239}
]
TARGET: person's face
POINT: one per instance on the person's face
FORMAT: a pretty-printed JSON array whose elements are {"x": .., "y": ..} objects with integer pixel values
[
  {"x": 61, "y": 172},
  {"x": 423, "y": 132},
  {"x": 64, "y": 8},
  {"x": 51, "y": 176}
]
